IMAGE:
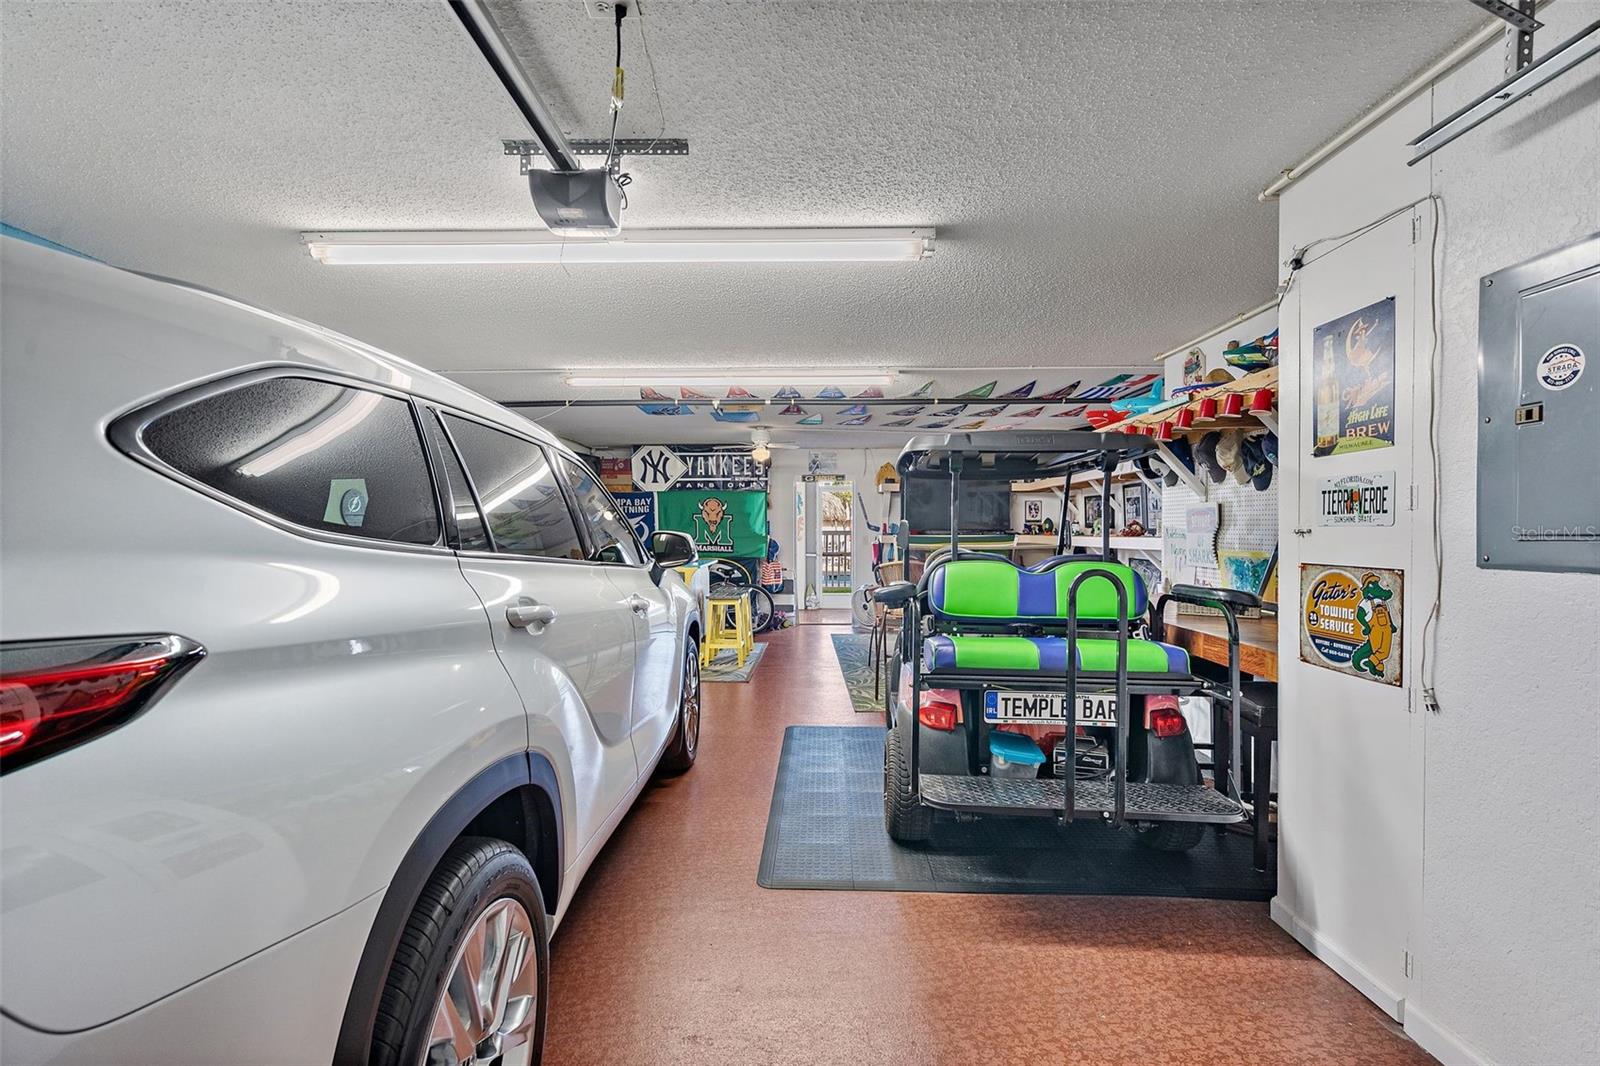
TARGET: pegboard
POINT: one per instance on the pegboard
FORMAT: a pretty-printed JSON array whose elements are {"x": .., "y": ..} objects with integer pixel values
[{"x": 1247, "y": 521}]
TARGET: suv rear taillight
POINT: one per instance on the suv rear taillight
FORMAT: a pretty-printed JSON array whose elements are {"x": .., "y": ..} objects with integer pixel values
[
  {"x": 57, "y": 694},
  {"x": 940, "y": 709}
]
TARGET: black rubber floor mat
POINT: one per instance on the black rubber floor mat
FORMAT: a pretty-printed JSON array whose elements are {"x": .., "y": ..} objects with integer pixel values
[{"x": 825, "y": 830}]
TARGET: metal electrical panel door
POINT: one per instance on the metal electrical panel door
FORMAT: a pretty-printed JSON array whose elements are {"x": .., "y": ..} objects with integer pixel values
[{"x": 1539, "y": 413}]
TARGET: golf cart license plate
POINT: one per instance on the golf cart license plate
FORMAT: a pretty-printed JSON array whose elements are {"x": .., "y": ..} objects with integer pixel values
[{"x": 1097, "y": 710}]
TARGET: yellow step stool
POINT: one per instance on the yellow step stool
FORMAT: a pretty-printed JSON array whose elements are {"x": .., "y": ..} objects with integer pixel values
[{"x": 727, "y": 628}]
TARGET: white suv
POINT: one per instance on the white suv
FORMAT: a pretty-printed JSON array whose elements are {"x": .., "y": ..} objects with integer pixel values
[{"x": 324, "y": 681}]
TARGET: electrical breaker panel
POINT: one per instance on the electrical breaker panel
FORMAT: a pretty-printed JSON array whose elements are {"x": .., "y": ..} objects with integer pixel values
[{"x": 1539, "y": 413}]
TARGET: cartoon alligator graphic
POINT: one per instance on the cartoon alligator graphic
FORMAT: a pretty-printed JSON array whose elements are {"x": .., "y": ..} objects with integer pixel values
[{"x": 1377, "y": 625}]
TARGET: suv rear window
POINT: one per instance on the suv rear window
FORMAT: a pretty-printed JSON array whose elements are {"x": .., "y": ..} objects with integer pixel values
[{"x": 321, "y": 455}]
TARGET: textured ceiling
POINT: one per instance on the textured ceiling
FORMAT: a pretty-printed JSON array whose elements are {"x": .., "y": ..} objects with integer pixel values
[{"x": 1091, "y": 167}]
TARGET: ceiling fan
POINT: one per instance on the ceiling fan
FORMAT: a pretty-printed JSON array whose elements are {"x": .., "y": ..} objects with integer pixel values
[{"x": 763, "y": 444}]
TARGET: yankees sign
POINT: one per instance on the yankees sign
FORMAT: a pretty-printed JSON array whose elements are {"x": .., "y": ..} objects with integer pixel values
[{"x": 658, "y": 467}]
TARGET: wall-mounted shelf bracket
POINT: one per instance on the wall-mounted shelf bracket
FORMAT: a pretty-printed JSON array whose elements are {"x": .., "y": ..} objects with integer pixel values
[
  {"x": 1196, "y": 485},
  {"x": 1580, "y": 46},
  {"x": 1519, "y": 16}
]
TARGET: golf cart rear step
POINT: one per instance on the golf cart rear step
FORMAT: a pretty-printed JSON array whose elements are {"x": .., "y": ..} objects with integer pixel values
[{"x": 1042, "y": 796}]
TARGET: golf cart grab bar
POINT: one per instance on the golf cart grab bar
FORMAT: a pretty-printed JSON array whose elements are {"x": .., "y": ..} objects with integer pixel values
[
  {"x": 911, "y": 647},
  {"x": 894, "y": 595},
  {"x": 1204, "y": 596},
  {"x": 1070, "y": 773},
  {"x": 1227, "y": 601}
]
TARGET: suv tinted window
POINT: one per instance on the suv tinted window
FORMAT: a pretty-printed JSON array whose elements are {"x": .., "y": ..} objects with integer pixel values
[
  {"x": 469, "y": 521},
  {"x": 610, "y": 534},
  {"x": 518, "y": 492},
  {"x": 321, "y": 455}
]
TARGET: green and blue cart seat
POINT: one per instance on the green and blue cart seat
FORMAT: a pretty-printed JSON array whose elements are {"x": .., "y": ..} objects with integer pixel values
[{"x": 995, "y": 593}]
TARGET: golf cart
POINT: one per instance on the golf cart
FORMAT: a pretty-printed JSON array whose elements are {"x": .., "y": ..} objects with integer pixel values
[{"x": 1042, "y": 690}]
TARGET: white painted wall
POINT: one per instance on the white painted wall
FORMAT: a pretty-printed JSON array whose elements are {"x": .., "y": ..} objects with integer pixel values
[
  {"x": 1212, "y": 346},
  {"x": 1505, "y": 933},
  {"x": 860, "y": 465}
]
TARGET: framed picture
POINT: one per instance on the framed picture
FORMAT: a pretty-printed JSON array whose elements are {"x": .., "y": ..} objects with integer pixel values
[
  {"x": 1133, "y": 504},
  {"x": 1152, "y": 511},
  {"x": 1091, "y": 513}
]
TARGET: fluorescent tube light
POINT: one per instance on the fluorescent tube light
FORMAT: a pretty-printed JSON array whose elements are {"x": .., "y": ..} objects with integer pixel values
[
  {"x": 432, "y": 247},
  {"x": 720, "y": 379}
]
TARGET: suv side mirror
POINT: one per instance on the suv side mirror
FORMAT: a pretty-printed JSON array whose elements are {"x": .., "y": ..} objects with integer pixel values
[{"x": 672, "y": 549}]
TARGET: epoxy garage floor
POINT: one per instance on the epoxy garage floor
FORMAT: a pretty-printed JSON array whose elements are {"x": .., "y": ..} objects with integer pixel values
[{"x": 672, "y": 953}]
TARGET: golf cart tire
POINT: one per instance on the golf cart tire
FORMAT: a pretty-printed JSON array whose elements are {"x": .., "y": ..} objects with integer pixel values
[
  {"x": 1171, "y": 836},
  {"x": 907, "y": 821}
]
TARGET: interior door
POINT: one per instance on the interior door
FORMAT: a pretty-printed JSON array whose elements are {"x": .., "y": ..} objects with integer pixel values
[
  {"x": 836, "y": 548},
  {"x": 657, "y": 656},
  {"x": 564, "y": 631},
  {"x": 1350, "y": 781}
]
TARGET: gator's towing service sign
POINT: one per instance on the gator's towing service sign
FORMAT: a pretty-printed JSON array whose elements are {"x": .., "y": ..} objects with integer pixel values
[{"x": 1351, "y": 619}]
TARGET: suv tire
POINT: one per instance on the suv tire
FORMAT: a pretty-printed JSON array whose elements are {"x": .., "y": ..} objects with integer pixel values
[
  {"x": 479, "y": 882},
  {"x": 685, "y": 743}
]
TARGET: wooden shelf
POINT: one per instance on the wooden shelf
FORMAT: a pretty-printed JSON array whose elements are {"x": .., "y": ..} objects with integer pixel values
[
  {"x": 1142, "y": 544},
  {"x": 1059, "y": 484},
  {"x": 1248, "y": 385},
  {"x": 1045, "y": 484}
]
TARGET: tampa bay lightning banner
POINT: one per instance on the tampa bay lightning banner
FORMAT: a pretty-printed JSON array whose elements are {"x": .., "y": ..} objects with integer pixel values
[{"x": 639, "y": 510}]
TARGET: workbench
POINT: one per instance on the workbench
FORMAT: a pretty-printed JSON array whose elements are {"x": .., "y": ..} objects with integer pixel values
[{"x": 1205, "y": 636}]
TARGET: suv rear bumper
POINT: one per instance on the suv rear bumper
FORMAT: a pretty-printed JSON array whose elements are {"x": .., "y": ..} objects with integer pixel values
[{"x": 282, "y": 1004}]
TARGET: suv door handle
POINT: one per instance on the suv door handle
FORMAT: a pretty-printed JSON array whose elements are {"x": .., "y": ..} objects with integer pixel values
[
  {"x": 526, "y": 615},
  {"x": 639, "y": 604}
]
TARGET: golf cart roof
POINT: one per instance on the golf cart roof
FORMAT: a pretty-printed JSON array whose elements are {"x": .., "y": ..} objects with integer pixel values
[{"x": 1018, "y": 455}]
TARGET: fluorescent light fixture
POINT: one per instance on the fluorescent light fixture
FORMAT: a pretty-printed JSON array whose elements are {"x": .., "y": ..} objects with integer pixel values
[
  {"x": 726, "y": 379},
  {"x": 436, "y": 247}
]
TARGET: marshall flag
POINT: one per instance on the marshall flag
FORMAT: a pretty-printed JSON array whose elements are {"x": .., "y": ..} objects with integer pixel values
[{"x": 721, "y": 523}]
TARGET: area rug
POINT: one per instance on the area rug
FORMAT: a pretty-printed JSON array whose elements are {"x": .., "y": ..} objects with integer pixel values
[
  {"x": 825, "y": 831},
  {"x": 725, "y": 667},
  {"x": 855, "y": 660}
]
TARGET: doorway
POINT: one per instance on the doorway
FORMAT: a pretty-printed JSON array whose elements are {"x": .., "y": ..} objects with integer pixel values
[{"x": 825, "y": 529}]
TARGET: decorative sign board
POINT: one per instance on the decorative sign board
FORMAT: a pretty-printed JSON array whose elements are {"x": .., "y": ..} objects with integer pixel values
[
  {"x": 658, "y": 467},
  {"x": 822, "y": 462},
  {"x": 1351, "y": 620},
  {"x": 639, "y": 510},
  {"x": 1357, "y": 500},
  {"x": 1203, "y": 522},
  {"x": 1353, "y": 381},
  {"x": 616, "y": 475}
]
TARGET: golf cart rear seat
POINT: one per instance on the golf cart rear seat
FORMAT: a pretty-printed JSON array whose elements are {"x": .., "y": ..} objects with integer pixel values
[
  {"x": 998, "y": 625},
  {"x": 987, "y": 602}
]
